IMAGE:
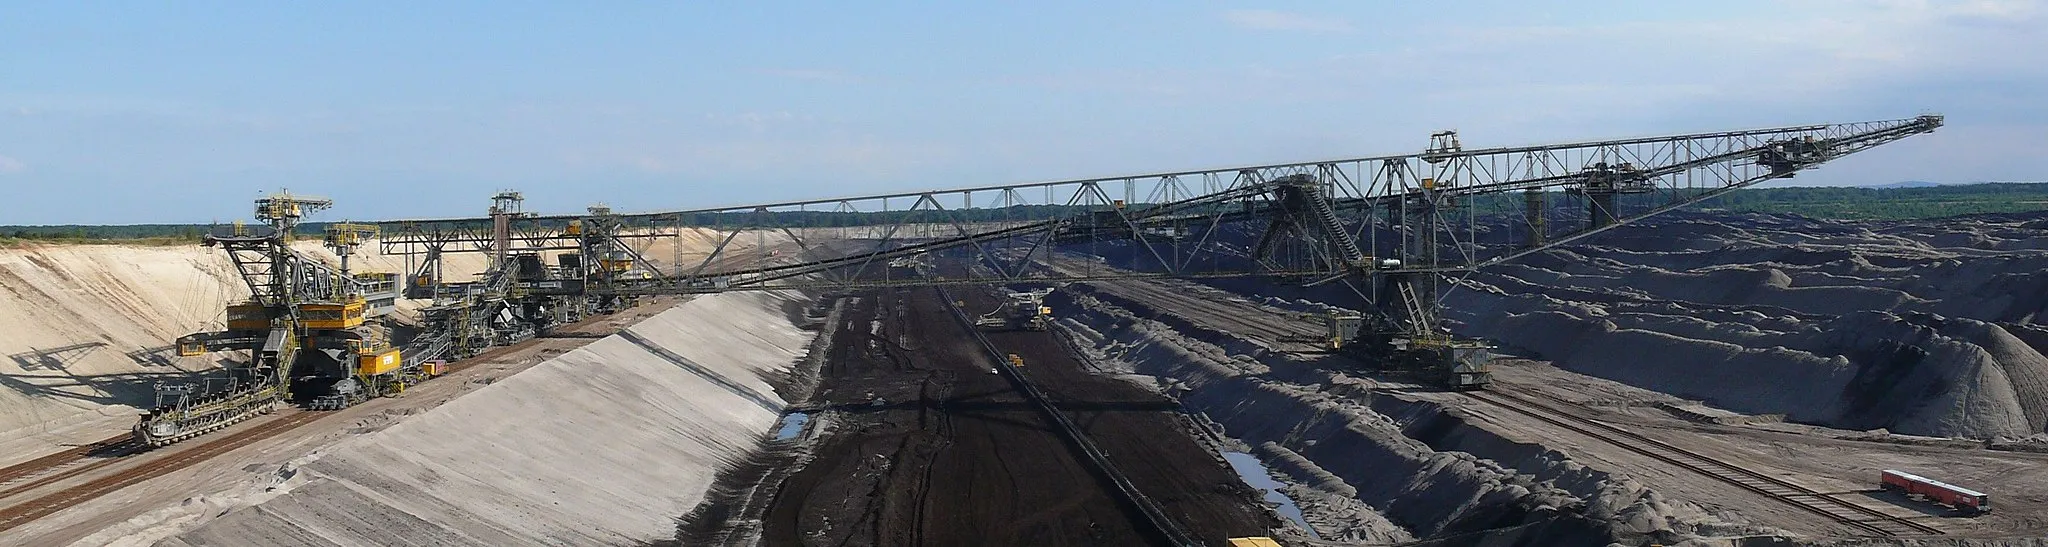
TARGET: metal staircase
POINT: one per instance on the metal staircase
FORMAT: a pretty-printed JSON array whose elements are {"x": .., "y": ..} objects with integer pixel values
[{"x": 1333, "y": 229}]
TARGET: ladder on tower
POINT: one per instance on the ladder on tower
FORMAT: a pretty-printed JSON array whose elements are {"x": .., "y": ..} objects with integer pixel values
[{"x": 1420, "y": 316}]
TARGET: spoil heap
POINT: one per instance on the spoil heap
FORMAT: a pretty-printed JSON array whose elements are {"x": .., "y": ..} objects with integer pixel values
[{"x": 1920, "y": 327}]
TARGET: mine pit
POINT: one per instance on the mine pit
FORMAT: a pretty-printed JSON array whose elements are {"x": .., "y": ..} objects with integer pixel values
[{"x": 1297, "y": 356}]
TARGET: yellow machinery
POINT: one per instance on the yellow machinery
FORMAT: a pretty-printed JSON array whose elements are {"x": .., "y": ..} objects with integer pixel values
[
  {"x": 248, "y": 316},
  {"x": 347, "y": 314},
  {"x": 373, "y": 363},
  {"x": 343, "y": 234},
  {"x": 1023, "y": 310},
  {"x": 377, "y": 282},
  {"x": 617, "y": 264},
  {"x": 344, "y": 238},
  {"x": 305, "y": 325},
  {"x": 191, "y": 348}
]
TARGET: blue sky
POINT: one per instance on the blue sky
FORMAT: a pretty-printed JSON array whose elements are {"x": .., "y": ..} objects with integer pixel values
[{"x": 183, "y": 112}]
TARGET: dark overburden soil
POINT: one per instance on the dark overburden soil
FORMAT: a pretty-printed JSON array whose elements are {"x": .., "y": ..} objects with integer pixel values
[
  {"x": 1927, "y": 327},
  {"x": 924, "y": 446}
]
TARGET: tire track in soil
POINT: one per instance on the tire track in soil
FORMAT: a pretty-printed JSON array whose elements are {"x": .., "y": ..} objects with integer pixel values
[
  {"x": 945, "y": 441},
  {"x": 989, "y": 470}
]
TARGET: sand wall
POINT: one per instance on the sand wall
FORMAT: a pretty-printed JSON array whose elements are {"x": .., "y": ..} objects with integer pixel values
[
  {"x": 601, "y": 445},
  {"x": 85, "y": 329}
]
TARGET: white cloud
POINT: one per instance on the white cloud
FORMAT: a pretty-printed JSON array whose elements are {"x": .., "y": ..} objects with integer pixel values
[
  {"x": 1258, "y": 19},
  {"x": 10, "y": 165}
]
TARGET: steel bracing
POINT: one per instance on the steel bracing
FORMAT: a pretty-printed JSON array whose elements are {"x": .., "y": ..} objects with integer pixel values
[
  {"x": 276, "y": 274},
  {"x": 1389, "y": 227},
  {"x": 1442, "y": 210}
]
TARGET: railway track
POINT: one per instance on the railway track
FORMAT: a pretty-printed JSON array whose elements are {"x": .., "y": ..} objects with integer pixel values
[
  {"x": 1235, "y": 317},
  {"x": 60, "y": 466},
  {"x": 41, "y": 506},
  {"x": 13, "y": 476},
  {"x": 64, "y": 465},
  {"x": 1827, "y": 505},
  {"x": 1154, "y": 516},
  {"x": 1245, "y": 318}
]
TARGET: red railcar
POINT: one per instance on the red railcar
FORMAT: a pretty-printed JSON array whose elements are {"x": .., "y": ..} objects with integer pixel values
[{"x": 1963, "y": 499}]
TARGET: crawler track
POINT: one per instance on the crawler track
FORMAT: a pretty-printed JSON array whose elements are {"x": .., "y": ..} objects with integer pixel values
[
  {"x": 1828, "y": 505},
  {"x": 47, "y": 504}
]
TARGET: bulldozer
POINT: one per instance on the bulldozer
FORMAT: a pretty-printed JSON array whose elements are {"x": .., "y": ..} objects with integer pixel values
[{"x": 1022, "y": 310}]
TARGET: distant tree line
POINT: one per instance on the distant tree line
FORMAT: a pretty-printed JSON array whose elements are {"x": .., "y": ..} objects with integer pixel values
[
  {"x": 167, "y": 233},
  {"x": 1888, "y": 203}
]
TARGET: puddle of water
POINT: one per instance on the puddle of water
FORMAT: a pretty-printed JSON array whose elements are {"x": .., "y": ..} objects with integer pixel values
[
  {"x": 1254, "y": 473},
  {"x": 792, "y": 424}
]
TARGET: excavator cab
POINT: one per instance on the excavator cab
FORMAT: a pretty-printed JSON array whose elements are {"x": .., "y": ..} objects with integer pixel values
[{"x": 191, "y": 345}]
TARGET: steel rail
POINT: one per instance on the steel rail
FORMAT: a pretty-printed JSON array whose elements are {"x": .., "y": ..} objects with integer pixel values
[
  {"x": 123, "y": 448},
  {"x": 1810, "y": 500},
  {"x": 1154, "y": 515},
  {"x": 46, "y": 505},
  {"x": 58, "y": 467},
  {"x": 57, "y": 459}
]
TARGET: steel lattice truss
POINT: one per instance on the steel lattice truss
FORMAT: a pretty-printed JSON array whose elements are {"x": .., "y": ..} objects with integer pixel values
[{"x": 1447, "y": 209}]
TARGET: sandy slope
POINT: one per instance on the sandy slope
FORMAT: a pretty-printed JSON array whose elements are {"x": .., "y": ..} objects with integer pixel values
[
  {"x": 118, "y": 308},
  {"x": 600, "y": 445},
  {"x": 86, "y": 329}
]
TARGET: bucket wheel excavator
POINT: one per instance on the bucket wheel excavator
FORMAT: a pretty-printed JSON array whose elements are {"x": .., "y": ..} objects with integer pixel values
[{"x": 308, "y": 330}]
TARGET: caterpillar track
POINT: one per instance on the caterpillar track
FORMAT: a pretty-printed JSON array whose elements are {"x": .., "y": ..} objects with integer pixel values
[{"x": 169, "y": 424}]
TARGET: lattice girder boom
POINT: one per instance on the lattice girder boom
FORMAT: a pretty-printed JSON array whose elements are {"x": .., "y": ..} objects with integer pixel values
[
  {"x": 1425, "y": 213},
  {"x": 277, "y": 274}
]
